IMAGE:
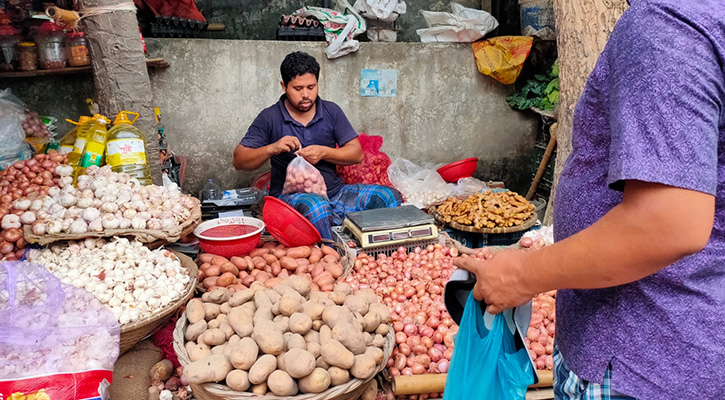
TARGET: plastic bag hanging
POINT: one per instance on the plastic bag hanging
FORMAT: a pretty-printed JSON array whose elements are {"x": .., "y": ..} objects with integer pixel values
[
  {"x": 303, "y": 177},
  {"x": 486, "y": 364}
]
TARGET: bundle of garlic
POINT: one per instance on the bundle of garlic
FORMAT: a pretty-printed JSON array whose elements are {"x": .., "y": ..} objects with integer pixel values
[
  {"x": 104, "y": 200},
  {"x": 132, "y": 280}
]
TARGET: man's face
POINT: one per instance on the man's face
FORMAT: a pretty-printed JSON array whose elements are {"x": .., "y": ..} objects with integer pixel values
[{"x": 302, "y": 92}]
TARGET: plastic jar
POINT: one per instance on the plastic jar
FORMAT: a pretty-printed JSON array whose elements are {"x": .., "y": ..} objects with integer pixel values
[
  {"x": 9, "y": 38},
  {"x": 77, "y": 47},
  {"x": 51, "y": 52},
  {"x": 28, "y": 56}
]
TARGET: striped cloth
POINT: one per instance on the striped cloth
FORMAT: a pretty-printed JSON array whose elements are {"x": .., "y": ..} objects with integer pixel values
[
  {"x": 325, "y": 213},
  {"x": 568, "y": 386}
]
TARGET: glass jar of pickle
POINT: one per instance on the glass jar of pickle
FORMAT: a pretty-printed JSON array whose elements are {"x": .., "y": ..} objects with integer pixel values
[
  {"x": 9, "y": 38},
  {"x": 77, "y": 49},
  {"x": 27, "y": 56},
  {"x": 51, "y": 50}
]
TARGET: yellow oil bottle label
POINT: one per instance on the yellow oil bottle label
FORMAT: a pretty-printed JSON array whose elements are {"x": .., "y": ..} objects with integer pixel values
[
  {"x": 125, "y": 152},
  {"x": 93, "y": 155},
  {"x": 79, "y": 145},
  {"x": 65, "y": 149}
]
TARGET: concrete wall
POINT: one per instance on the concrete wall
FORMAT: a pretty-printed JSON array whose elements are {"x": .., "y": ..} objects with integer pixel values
[{"x": 445, "y": 109}]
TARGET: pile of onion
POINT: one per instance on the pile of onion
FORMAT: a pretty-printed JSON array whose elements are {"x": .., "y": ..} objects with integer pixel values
[
  {"x": 540, "y": 336},
  {"x": 31, "y": 179}
]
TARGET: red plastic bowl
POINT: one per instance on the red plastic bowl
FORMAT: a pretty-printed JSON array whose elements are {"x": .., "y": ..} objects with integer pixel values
[
  {"x": 287, "y": 225},
  {"x": 458, "y": 170},
  {"x": 229, "y": 236}
]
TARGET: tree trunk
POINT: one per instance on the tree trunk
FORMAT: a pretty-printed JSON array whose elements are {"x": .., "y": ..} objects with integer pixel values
[
  {"x": 120, "y": 73},
  {"x": 583, "y": 28}
]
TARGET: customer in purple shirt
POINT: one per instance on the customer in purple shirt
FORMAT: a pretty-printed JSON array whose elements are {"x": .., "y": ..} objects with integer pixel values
[
  {"x": 302, "y": 124},
  {"x": 639, "y": 217}
]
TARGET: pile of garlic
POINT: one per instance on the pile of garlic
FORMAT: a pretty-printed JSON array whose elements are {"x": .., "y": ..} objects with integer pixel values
[
  {"x": 133, "y": 281},
  {"x": 104, "y": 200},
  {"x": 50, "y": 328}
]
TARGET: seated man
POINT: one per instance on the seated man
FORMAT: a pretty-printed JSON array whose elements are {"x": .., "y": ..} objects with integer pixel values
[{"x": 319, "y": 131}]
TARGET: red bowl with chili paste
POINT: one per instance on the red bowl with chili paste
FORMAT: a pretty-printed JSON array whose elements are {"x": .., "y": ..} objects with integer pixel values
[{"x": 229, "y": 236}]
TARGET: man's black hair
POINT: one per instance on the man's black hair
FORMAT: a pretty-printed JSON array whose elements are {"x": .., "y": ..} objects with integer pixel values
[{"x": 298, "y": 63}]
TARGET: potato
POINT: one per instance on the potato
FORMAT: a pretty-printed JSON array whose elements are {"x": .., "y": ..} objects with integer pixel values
[
  {"x": 383, "y": 329},
  {"x": 282, "y": 322},
  {"x": 325, "y": 334},
  {"x": 329, "y": 251},
  {"x": 300, "y": 323},
  {"x": 219, "y": 349},
  {"x": 371, "y": 321},
  {"x": 214, "y": 324},
  {"x": 371, "y": 391},
  {"x": 334, "y": 353},
  {"x": 295, "y": 341},
  {"x": 313, "y": 309},
  {"x": 197, "y": 352},
  {"x": 299, "y": 252},
  {"x": 219, "y": 296},
  {"x": 195, "y": 311},
  {"x": 368, "y": 339},
  {"x": 379, "y": 341},
  {"x": 194, "y": 331},
  {"x": 299, "y": 284},
  {"x": 260, "y": 389},
  {"x": 268, "y": 337},
  {"x": 281, "y": 384},
  {"x": 351, "y": 338},
  {"x": 262, "y": 300},
  {"x": 162, "y": 371},
  {"x": 211, "y": 369},
  {"x": 376, "y": 353},
  {"x": 211, "y": 311},
  {"x": 334, "y": 315},
  {"x": 302, "y": 362},
  {"x": 244, "y": 354},
  {"x": 241, "y": 297},
  {"x": 263, "y": 314},
  {"x": 314, "y": 348},
  {"x": 382, "y": 310},
  {"x": 312, "y": 337},
  {"x": 238, "y": 380},
  {"x": 316, "y": 382},
  {"x": 213, "y": 337},
  {"x": 226, "y": 328},
  {"x": 368, "y": 295},
  {"x": 234, "y": 339},
  {"x": 224, "y": 308},
  {"x": 321, "y": 363},
  {"x": 356, "y": 304},
  {"x": 275, "y": 309},
  {"x": 338, "y": 376},
  {"x": 364, "y": 367},
  {"x": 261, "y": 369},
  {"x": 315, "y": 255},
  {"x": 290, "y": 303},
  {"x": 280, "y": 360},
  {"x": 241, "y": 322},
  {"x": 249, "y": 308},
  {"x": 317, "y": 324},
  {"x": 288, "y": 263}
]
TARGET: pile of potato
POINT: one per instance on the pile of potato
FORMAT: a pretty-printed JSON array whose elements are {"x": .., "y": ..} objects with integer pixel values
[
  {"x": 286, "y": 340},
  {"x": 270, "y": 264}
]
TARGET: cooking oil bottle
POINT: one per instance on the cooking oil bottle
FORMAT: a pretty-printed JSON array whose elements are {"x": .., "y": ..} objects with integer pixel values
[
  {"x": 95, "y": 137},
  {"x": 67, "y": 143},
  {"x": 79, "y": 146},
  {"x": 126, "y": 148}
]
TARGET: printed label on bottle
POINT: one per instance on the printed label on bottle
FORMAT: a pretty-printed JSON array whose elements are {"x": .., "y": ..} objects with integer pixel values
[
  {"x": 65, "y": 149},
  {"x": 79, "y": 51},
  {"x": 79, "y": 145},
  {"x": 125, "y": 152},
  {"x": 93, "y": 155}
]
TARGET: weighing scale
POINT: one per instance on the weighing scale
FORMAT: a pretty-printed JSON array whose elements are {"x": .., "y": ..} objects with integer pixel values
[{"x": 399, "y": 226}]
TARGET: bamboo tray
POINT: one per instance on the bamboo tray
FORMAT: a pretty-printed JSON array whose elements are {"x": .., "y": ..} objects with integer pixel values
[{"x": 489, "y": 231}]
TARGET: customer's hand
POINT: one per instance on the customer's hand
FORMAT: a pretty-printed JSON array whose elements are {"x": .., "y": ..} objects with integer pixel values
[
  {"x": 313, "y": 154},
  {"x": 285, "y": 145},
  {"x": 500, "y": 281}
]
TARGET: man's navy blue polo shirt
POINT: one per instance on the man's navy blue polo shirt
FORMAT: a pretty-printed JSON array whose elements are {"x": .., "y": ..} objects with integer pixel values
[{"x": 329, "y": 127}]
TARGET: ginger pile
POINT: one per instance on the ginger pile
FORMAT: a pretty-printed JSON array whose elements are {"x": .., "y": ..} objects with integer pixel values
[{"x": 487, "y": 210}]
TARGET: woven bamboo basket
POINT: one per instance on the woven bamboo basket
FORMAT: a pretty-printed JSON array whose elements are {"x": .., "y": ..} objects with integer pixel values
[
  {"x": 433, "y": 211},
  {"x": 215, "y": 391},
  {"x": 137, "y": 331}
]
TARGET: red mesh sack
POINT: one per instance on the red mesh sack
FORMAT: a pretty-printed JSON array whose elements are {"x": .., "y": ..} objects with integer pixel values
[{"x": 373, "y": 170}]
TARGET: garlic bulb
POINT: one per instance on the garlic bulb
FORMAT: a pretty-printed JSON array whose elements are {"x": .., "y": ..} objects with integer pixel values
[
  {"x": 96, "y": 225},
  {"x": 110, "y": 221},
  {"x": 90, "y": 214},
  {"x": 78, "y": 226}
]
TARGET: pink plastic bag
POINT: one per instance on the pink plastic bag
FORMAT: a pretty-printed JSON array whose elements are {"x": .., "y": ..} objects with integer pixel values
[
  {"x": 373, "y": 170},
  {"x": 303, "y": 177}
]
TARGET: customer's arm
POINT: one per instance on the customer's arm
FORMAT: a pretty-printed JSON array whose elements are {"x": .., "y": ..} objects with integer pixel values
[{"x": 653, "y": 227}]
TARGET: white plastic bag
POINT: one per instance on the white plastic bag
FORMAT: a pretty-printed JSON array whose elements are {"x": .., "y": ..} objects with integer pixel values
[
  {"x": 12, "y": 114},
  {"x": 462, "y": 25},
  {"x": 341, "y": 27},
  {"x": 469, "y": 186},
  {"x": 384, "y": 10},
  {"x": 419, "y": 186},
  {"x": 303, "y": 177}
]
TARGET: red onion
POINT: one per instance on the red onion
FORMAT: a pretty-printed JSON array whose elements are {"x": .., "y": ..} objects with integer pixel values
[{"x": 443, "y": 366}]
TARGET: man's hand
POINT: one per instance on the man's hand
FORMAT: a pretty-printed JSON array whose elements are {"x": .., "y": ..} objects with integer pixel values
[
  {"x": 500, "y": 282},
  {"x": 285, "y": 145},
  {"x": 313, "y": 154}
]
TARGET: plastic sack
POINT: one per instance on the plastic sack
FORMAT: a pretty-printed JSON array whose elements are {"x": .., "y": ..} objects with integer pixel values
[
  {"x": 303, "y": 177},
  {"x": 341, "y": 27},
  {"x": 502, "y": 58},
  {"x": 469, "y": 186},
  {"x": 461, "y": 25},
  {"x": 384, "y": 10},
  {"x": 419, "y": 186},
  {"x": 374, "y": 166},
  {"x": 12, "y": 114},
  {"x": 56, "y": 341},
  {"x": 486, "y": 364}
]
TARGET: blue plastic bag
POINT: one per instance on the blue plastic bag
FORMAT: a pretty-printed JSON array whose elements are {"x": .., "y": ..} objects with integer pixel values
[{"x": 486, "y": 364}]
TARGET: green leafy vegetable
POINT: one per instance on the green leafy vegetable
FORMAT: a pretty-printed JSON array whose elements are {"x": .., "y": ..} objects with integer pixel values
[{"x": 542, "y": 91}]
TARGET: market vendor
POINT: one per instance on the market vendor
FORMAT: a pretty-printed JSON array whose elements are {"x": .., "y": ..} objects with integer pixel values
[
  {"x": 302, "y": 123},
  {"x": 639, "y": 217}
]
